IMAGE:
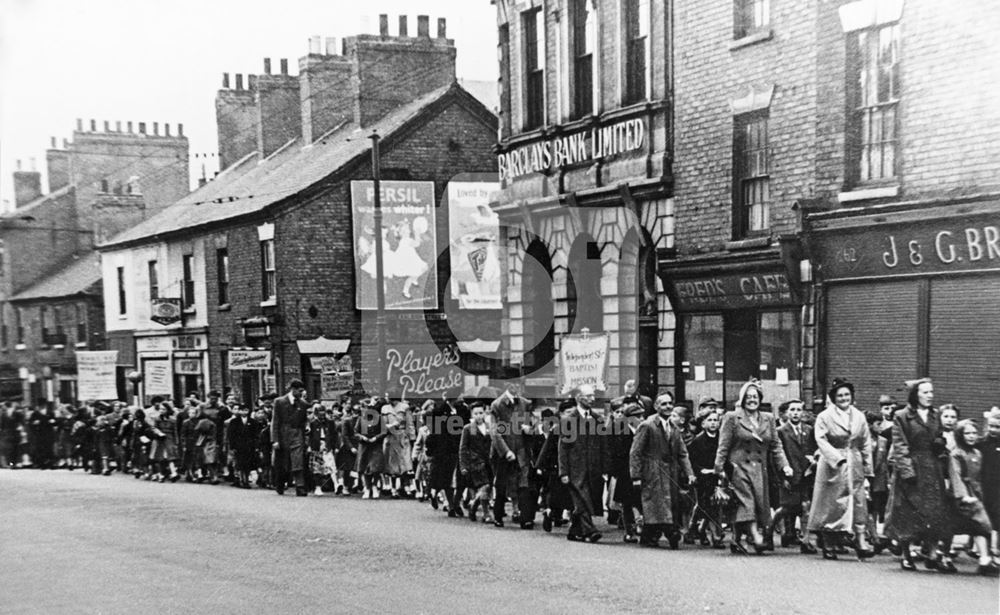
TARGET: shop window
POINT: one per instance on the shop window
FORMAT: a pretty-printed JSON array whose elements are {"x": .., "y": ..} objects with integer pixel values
[
  {"x": 873, "y": 100},
  {"x": 122, "y": 306},
  {"x": 701, "y": 368},
  {"x": 636, "y": 20},
  {"x": 269, "y": 288},
  {"x": 188, "y": 273},
  {"x": 222, "y": 274},
  {"x": 751, "y": 175},
  {"x": 503, "y": 56},
  {"x": 154, "y": 281},
  {"x": 750, "y": 17},
  {"x": 533, "y": 28},
  {"x": 584, "y": 19}
]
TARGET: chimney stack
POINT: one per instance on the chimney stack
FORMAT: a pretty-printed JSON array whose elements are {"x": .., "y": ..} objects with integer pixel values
[
  {"x": 53, "y": 142},
  {"x": 403, "y": 26},
  {"x": 267, "y": 66},
  {"x": 383, "y": 25},
  {"x": 180, "y": 130},
  {"x": 423, "y": 26},
  {"x": 57, "y": 164},
  {"x": 27, "y": 186},
  {"x": 79, "y": 125},
  {"x": 442, "y": 27}
]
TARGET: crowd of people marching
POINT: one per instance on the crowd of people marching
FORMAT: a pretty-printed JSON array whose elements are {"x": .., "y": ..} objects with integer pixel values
[{"x": 910, "y": 478}]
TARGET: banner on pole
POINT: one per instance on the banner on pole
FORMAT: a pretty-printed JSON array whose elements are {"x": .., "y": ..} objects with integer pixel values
[
  {"x": 583, "y": 359},
  {"x": 95, "y": 374}
]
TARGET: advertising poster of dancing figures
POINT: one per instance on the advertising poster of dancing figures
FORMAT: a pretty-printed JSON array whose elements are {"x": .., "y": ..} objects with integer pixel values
[
  {"x": 409, "y": 245},
  {"x": 474, "y": 229}
]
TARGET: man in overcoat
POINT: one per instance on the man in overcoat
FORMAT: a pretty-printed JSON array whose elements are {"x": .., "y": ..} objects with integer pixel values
[
  {"x": 288, "y": 436},
  {"x": 658, "y": 462},
  {"x": 582, "y": 464},
  {"x": 509, "y": 458},
  {"x": 634, "y": 403}
]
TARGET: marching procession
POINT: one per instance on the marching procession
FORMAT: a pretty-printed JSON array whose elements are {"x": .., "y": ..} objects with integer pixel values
[{"x": 916, "y": 479}]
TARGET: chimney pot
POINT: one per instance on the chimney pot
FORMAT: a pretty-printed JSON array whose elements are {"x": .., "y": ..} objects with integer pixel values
[
  {"x": 53, "y": 143},
  {"x": 129, "y": 124},
  {"x": 93, "y": 125},
  {"x": 267, "y": 66},
  {"x": 442, "y": 27},
  {"x": 166, "y": 129},
  {"x": 314, "y": 45},
  {"x": 180, "y": 130},
  {"x": 403, "y": 29},
  {"x": 65, "y": 143},
  {"x": 156, "y": 128},
  {"x": 331, "y": 46},
  {"x": 107, "y": 126},
  {"x": 79, "y": 125},
  {"x": 423, "y": 26},
  {"x": 239, "y": 82},
  {"x": 251, "y": 82},
  {"x": 142, "y": 128},
  {"x": 383, "y": 25},
  {"x": 18, "y": 164},
  {"x": 284, "y": 66},
  {"x": 32, "y": 161},
  {"x": 118, "y": 125},
  {"x": 225, "y": 81}
]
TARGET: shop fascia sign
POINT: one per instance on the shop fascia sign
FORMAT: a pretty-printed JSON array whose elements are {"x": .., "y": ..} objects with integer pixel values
[
  {"x": 581, "y": 146},
  {"x": 249, "y": 359}
]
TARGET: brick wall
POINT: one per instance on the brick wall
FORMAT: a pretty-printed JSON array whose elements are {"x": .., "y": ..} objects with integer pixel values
[
  {"x": 279, "y": 112},
  {"x": 236, "y": 120},
  {"x": 708, "y": 75}
]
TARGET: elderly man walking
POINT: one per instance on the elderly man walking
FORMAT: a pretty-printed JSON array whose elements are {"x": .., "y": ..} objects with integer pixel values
[
  {"x": 658, "y": 462},
  {"x": 582, "y": 461},
  {"x": 288, "y": 435}
]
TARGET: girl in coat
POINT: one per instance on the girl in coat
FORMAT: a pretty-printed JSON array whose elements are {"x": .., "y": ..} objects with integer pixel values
[
  {"x": 746, "y": 440},
  {"x": 919, "y": 509},
  {"x": 839, "y": 501},
  {"x": 207, "y": 447},
  {"x": 397, "y": 449},
  {"x": 163, "y": 452},
  {"x": 140, "y": 434},
  {"x": 473, "y": 461},
  {"x": 707, "y": 517},
  {"x": 369, "y": 434},
  {"x": 965, "y": 470}
]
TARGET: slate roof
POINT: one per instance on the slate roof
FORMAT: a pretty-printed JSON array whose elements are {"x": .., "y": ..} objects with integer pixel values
[
  {"x": 250, "y": 185},
  {"x": 76, "y": 278}
]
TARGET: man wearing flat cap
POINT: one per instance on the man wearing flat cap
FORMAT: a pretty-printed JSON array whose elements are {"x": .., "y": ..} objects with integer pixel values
[{"x": 288, "y": 436}]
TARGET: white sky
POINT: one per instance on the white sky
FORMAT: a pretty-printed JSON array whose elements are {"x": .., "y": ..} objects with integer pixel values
[{"x": 155, "y": 61}]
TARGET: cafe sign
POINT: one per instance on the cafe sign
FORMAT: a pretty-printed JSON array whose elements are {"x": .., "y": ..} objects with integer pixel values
[
  {"x": 731, "y": 291},
  {"x": 929, "y": 247},
  {"x": 582, "y": 146}
]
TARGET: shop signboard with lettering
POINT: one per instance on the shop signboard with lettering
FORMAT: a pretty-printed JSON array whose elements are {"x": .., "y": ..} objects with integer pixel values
[
  {"x": 95, "y": 371},
  {"x": 249, "y": 359},
  {"x": 938, "y": 246},
  {"x": 414, "y": 371},
  {"x": 474, "y": 230},
  {"x": 156, "y": 377},
  {"x": 727, "y": 291},
  {"x": 583, "y": 359}
]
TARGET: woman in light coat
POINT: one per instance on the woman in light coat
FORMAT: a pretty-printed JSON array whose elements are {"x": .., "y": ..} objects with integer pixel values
[
  {"x": 839, "y": 502},
  {"x": 746, "y": 440}
]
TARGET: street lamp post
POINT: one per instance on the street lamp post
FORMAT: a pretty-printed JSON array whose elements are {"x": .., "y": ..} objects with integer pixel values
[{"x": 379, "y": 274}]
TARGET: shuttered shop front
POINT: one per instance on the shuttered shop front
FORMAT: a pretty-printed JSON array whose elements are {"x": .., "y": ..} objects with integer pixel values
[{"x": 871, "y": 337}]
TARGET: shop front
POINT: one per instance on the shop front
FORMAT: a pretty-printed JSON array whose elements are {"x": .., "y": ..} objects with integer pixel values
[
  {"x": 172, "y": 366},
  {"x": 737, "y": 318},
  {"x": 327, "y": 368},
  {"x": 911, "y": 294}
]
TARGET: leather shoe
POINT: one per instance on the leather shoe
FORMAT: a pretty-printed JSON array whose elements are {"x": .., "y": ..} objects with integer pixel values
[
  {"x": 630, "y": 538},
  {"x": 674, "y": 539},
  {"x": 498, "y": 522},
  {"x": 947, "y": 566},
  {"x": 594, "y": 537},
  {"x": 988, "y": 570},
  {"x": 790, "y": 541},
  {"x": 907, "y": 564},
  {"x": 575, "y": 538},
  {"x": 807, "y": 549},
  {"x": 546, "y": 522},
  {"x": 527, "y": 525}
]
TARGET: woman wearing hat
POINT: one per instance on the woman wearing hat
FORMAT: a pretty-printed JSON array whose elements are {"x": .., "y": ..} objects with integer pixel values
[
  {"x": 746, "y": 439},
  {"x": 920, "y": 511},
  {"x": 839, "y": 502}
]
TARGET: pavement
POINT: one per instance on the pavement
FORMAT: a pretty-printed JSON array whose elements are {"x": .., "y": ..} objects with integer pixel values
[{"x": 75, "y": 543}]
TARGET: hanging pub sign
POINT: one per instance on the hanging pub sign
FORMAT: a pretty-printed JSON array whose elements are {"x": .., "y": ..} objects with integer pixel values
[
  {"x": 414, "y": 371},
  {"x": 166, "y": 311},
  {"x": 250, "y": 359},
  {"x": 583, "y": 359},
  {"x": 583, "y": 146},
  {"x": 409, "y": 245}
]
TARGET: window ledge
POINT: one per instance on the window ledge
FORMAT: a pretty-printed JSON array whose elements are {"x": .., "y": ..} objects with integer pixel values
[
  {"x": 190, "y": 310},
  {"x": 272, "y": 302},
  {"x": 748, "y": 244},
  {"x": 58, "y": 347},
  {"x": 760, "y": 36},
  {"x": 20, "y": 347},
  {"x": 225, "y": 307},
  {"x": 868, "y": 194},
  {"x": 81, "y": 345}
]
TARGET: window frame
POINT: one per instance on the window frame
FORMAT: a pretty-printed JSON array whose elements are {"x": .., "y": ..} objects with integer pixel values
[
  {"x": 153, "y": 279},
  {"x": 122, "y": 294},
  {"x": 636, "y": 30},
  {"x": 533, "y": 50},
  {"x": 865, "y": 103},
  {"x": 750, "y": 17},
  {"x": 222, "y": 275},
  {"x": 268, "y": 271},
  {"x": 746, "y": 174},
  {"x": 187, "y": 282},
  {"x": 81, "y": 324},
  {"x": 19, "y": 326},
  {"x": 583, "y": 54}
]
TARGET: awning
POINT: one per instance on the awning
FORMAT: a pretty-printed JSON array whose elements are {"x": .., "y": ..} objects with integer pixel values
[
  {"x": 322, "y": 345},
  {"x": 479, "y": 346}
]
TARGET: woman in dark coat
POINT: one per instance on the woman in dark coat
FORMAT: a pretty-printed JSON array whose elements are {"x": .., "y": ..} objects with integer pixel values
[
  {"x": 747, "y": 440},
  {"x": 919, "y": 508},
  {"x": 41, "y": 437},
  {"x": 10, "y": 436},
  {"x": 441, "y": 448}
]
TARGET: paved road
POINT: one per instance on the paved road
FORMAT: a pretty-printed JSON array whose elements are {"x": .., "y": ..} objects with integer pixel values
[{"x": 75, "y": 543}]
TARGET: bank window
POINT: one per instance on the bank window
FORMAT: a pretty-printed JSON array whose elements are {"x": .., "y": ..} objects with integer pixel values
[
  {"x": 269, "y": 285},
  {"x": 533, "y": 28},
  {"x": 636, "y": 20},
  {"x": 222, "y": 274},
  {"x": 873, "y": 95},
  {"x": 584, "y": 42},
  {"x": 188, "y": 281},
  {"x": 750, "y": 17},
  {"x": 122, "y": 306},
  {"x": 751, "y": 174},
  {"x": 154, "y": 281}
]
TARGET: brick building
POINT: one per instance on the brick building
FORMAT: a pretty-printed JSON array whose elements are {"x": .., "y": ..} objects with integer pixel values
[
  {"x": 586, "y": 134},
  {"x": 262, "y": 258},
  {"x": 100, "y": 183},
  {"x": 903, "y": 233}
]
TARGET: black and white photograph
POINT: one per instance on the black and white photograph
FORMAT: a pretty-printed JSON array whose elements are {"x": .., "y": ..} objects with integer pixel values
[{"x": 500, "y": 306}]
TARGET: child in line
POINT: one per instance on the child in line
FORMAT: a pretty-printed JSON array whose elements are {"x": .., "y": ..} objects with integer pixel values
[
  {"x": 965, "y": 471},
  {"x": 473, "y": 461}
]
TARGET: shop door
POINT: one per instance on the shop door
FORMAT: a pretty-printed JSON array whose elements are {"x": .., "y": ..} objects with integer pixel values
[
  {"x": 742, "y": 352},
  {"x": 871, "y": 338},
  {"x": 964, "y": 344}
]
